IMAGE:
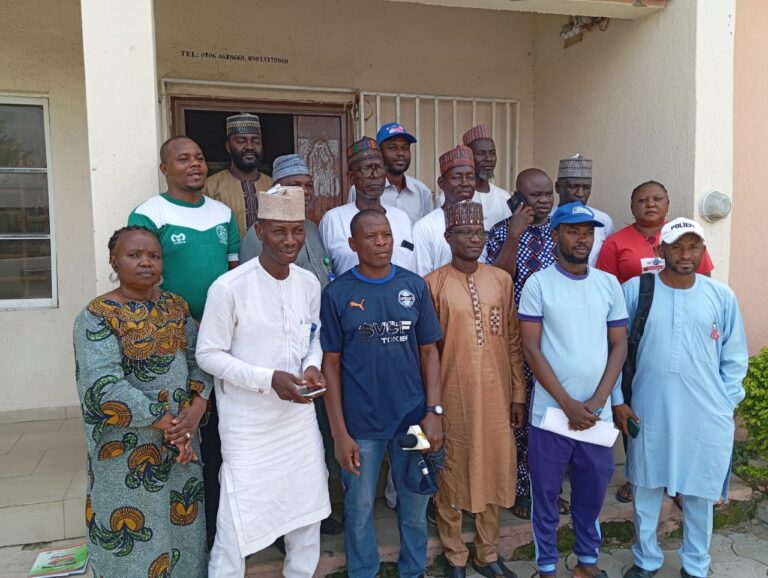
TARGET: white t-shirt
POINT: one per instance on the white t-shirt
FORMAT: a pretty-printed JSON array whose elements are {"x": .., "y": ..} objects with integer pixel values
[{"x": 334, "y": 230}]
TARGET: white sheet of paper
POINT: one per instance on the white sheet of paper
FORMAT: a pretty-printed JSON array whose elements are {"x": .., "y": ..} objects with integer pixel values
[{"x": 603, "y": 433}]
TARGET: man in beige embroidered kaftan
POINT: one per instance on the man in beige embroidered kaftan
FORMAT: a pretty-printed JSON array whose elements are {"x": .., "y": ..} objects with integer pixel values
[{"x": 483, "y": 392}]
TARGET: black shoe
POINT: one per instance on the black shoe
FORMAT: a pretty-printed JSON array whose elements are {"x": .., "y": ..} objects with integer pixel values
[
  {"x": 637, "y": 572},
  {"x": 452, "y": 571},
  {"x": 280, "y": 544},
  {"x": 684, "y": 574},
  {"x": 331, "y": 526},
  {"x": 432, "y": 512},
  {"x": 494, "y": 570}
]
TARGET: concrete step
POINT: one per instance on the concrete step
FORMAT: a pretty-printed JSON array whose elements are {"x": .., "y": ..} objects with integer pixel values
[{"x": 514, "y": 533}]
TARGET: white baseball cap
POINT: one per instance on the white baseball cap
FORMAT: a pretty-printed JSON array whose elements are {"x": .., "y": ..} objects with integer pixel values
[{"x": 673, "y": 230}]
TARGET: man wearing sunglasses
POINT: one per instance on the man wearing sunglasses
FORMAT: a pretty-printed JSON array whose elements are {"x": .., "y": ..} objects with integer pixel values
[{"x": 367, "y": 173}]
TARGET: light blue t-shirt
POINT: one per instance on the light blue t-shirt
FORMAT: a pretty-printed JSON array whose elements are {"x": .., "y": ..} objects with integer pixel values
[{"x": 575, "y": 312}]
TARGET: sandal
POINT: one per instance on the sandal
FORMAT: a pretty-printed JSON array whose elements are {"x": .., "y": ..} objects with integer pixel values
[
  {"x": 579, "y": 574},
  {"x": 624, "y": 493},
  {"x": 678, "y": 501},
  {"x": 522, "y": 507},
  {"x": 563, "y": 506}
]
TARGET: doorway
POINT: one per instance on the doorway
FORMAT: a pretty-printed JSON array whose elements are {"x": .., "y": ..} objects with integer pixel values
[{"x": 319, "y": 133}]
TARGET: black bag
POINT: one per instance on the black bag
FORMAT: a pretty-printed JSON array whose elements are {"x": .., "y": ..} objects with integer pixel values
[{"x": 644, "y": 301}]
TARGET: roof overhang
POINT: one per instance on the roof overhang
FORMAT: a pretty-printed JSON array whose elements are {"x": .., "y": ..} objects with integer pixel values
[{"x": 623, "y": 9}]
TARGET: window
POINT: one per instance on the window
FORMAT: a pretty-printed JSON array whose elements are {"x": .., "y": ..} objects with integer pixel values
[{"x": 27, "y": 252}]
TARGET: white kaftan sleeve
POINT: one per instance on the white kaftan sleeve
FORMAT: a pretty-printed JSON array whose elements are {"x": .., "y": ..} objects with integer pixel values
[
  {"x": 214, "y": 342},
  {"x": 315, "y": 354}
]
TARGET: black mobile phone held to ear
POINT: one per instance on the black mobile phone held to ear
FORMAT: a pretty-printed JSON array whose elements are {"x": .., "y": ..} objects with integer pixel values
[{"x": 515, "y": 201}]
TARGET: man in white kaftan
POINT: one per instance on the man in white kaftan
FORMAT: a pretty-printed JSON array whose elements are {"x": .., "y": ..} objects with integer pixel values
[
  {"x": 690, "y": 364},
  {"x": 457, "y": 181},
  {"x": 259, "y": 337}
]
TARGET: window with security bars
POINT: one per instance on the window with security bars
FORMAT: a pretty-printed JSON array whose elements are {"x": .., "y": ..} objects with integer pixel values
[{"x": 27, "y": 263}]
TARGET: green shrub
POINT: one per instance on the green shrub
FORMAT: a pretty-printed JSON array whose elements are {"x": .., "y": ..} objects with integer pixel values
[{"x": 754, "y": 411}]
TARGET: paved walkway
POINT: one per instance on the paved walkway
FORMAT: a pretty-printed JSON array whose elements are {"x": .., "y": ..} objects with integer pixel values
[{"x": 740, "y": 552}]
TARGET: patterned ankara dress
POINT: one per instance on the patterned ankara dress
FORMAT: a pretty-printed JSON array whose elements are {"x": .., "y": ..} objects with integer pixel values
[{"x": 143, "y": 510}]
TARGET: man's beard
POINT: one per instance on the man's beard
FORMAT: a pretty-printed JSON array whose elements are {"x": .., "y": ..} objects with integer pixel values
[
  {"x": 246, "y": 166},
  {"x": 573, "y": 259},
  {"x": 391, "y": 170},
  {"x": 485, "y": 174}
]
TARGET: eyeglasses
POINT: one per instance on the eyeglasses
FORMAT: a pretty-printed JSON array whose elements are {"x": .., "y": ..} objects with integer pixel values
[
  {"x": 371, "y": 171},
  {"x": 468, "y": 234}
]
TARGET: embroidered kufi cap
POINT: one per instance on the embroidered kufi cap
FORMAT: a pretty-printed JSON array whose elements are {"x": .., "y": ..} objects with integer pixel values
[
  {"x": 282, "y": 204},
  {"x": 461, "y": 156},
  {"x": 575, "y": 167},
  {"x": 365, "y": 148},
  {"x": 288, "y": 166},
  {"x": 245, "y": 123},
  {"x": 476, "y": 133},
  {"x": 464, "y": 213}
]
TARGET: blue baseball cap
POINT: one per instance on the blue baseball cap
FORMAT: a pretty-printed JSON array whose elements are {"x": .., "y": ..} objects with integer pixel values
[
  {"x": 573, "y": 213},
  {"x": 391, "y": 130}
]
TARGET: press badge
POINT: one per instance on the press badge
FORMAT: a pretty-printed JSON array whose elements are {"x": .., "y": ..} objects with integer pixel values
[{"x": 652, "y": 264}]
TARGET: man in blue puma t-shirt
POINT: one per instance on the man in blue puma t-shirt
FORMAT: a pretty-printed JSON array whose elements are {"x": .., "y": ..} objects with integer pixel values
[{"x": 378, "y": 332}]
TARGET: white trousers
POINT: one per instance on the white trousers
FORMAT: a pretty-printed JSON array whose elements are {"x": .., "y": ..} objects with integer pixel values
[{"x": 302, "y": 548}]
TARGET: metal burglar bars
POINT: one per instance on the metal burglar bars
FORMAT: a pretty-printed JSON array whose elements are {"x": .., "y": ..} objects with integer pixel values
[{"x": 438, "y": 122}]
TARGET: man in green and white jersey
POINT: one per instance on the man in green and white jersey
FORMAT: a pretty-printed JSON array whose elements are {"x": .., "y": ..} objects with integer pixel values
[
  {"x": 200, "y": 241},
  {"x": 199, "y": 235}
]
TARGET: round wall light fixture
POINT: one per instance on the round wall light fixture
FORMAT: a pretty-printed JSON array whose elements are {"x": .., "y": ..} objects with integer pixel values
[{"x": 714, "y": 206}]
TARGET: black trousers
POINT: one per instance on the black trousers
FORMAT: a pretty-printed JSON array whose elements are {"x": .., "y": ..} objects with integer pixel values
[{"x": 210, "y": 448}]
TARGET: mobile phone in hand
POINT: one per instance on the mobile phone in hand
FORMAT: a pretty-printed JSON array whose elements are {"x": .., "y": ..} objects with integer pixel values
[
  {"x": 515, "y": 201},
  {"x": 309, "y": 392},
  {"x": 633, "y": 428}
]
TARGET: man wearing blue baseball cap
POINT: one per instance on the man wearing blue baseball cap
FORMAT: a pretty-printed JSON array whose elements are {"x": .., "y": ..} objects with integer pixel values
[
  {"x": 406, "y": 193},
  {"x": 573, "y": 322}
]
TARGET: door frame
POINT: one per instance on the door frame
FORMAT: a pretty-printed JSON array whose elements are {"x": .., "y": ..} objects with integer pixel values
[{"x": 180, "y": 104}]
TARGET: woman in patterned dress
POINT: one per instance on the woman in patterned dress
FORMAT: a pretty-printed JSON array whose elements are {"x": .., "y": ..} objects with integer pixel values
[{"x": 142, "y": 397}]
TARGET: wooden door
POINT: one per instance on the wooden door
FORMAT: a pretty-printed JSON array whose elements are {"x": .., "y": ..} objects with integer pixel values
[{"x": 320, "y": 141}]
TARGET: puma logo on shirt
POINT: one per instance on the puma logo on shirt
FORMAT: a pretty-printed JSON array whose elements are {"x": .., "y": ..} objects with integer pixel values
[{"x": 360, "y": 306}]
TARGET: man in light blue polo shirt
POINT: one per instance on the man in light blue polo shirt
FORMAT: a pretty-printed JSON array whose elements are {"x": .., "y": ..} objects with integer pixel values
[{"x": 573, "y": 323}]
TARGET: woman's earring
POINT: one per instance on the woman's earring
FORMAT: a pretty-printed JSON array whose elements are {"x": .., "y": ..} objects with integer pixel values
[
  {"x": 113, "y": 276},
  {"x": 161, "y": 281}
]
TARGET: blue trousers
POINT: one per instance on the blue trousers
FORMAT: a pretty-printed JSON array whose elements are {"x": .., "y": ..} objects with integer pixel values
[
  {"x": 697, "y": 531},
  {"x": 360, "y": 542},
  {"x": 591, "y": 468}
]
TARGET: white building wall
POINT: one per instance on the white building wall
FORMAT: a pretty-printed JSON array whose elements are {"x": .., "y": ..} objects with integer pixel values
[
  {"x": 646, "y": 99},
  {"x": 42, "y": 55}
]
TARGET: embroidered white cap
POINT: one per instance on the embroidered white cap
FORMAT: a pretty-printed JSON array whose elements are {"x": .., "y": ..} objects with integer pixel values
[{"x": 673, "y": 230}]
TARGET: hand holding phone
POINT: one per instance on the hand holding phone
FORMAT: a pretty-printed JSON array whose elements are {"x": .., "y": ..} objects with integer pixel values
[
  {"x": 311, "y": 392},
  {"x": 633, "y": 428}
]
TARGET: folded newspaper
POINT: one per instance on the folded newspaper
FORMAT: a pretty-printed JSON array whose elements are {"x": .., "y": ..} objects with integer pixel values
[
  {"x": 603, "y": 433},
  {"x": 61, "y": 562}
]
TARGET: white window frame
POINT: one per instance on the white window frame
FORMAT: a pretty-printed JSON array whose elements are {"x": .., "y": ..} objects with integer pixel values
[{"x": 53, "y": 300}]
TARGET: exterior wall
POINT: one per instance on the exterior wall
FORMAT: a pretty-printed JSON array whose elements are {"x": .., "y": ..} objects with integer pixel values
[
  {"x": 42, "y": 54},
  {"x": 648, "y": 99},
  {"x": 356, "y": 44},
  {"x": 749, "y": 266},
  {"x": 625, "y": 98}
]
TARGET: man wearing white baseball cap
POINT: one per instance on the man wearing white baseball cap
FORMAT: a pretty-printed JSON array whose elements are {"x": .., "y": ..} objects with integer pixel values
[{"x": 690, "y": 364}]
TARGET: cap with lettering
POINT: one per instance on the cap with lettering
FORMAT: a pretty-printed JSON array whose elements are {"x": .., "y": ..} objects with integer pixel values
[
  {"x": 573, "y": 214},
  {"x": 673, "y": 230},
  {"x": 391, "y": 130}
]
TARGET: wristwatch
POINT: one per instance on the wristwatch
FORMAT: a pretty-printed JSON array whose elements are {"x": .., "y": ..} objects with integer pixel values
[{"x": 436, "y": 409}]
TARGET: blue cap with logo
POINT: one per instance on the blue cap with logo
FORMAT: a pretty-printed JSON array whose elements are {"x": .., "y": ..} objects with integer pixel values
[
  {"x": 391, "y": 130},
  {"x": 574, "y": 213}
]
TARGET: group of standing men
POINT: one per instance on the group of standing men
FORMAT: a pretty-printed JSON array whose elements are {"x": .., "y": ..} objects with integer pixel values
[{"x": 470, "y": 320}]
